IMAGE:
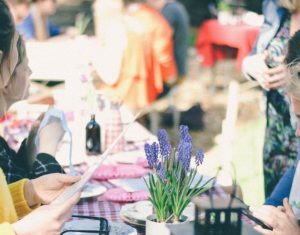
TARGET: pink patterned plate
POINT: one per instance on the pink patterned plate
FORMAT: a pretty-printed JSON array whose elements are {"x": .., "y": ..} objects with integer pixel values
[
  {"x": 120, "y": 195},
  {"x": 120, "y": 171}
]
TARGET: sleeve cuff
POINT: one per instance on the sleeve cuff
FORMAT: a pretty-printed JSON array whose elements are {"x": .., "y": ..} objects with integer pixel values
[
  {"x": 45, "y": 164},
  {"x": 17, "y": 193},
  {"x": 7, "y": 229}
]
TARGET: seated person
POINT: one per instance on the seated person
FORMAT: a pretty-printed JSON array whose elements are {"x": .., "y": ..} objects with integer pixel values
[
  {"x": 20, "y": 198},
  {"x": 19, "y": 204},
  {"x": 37, "y": 25},
  {"x": 19, "y": 9},
  {"x": 29, "y": 162},
  {"x": 283, "y": 219},
  {"x": 283, "y": 188}
]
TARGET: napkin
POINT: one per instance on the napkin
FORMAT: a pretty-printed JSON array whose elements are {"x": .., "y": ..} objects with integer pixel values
[
  {"x": 120, "y": 195},
  {"x": 53, "y": 115},
  {"x": 131, "y": 185},
  {"x": 120, "y": 171}
]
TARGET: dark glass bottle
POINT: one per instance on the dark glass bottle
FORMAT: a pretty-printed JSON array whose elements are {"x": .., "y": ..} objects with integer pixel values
[{"x": 92, "y": 140}]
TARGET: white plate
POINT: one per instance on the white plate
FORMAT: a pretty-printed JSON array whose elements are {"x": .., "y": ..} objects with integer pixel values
[
  {"x": 137, "y": 133},
  {"x": 92, "y": 190},
  {"x": 129, "y": 157},
  {"x": 86, "y": 224},
  {"x": 138, "y": 184},
  {"x": 130, "y": 185}
]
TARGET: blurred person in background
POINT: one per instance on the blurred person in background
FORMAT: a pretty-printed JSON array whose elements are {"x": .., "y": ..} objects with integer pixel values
[
  {"x": 282, "y": 20},
  {"x": 19, "y": 201},
  {"x": 37, "y": 24},
  {"x": 178, "y": 18},
  {"x": 19, "y": 9},
  {"x": 142, "y": 38},
  {"x": 29, "y": 161},
  {"x": 119, "y": 68},
  {"x": 158, "y": 47}
]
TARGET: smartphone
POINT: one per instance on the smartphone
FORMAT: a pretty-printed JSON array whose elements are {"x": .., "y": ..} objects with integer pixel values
[{"x": 248, "y": 214}]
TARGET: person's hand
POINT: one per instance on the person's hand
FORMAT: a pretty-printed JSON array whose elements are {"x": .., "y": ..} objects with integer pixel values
[
  {"x": 50, "y": 136},
  {"x": 31, "y": 150},
  {"x": 281, "y": 219},
  {"x": 46, "y": 220},
  {"x": 255, "y": 67},
  {"x": 46, "y": 188},
  {"x": 275, "y": 78}
]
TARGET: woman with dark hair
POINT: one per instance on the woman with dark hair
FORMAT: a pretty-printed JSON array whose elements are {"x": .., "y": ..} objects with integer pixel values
[
  {"x": 28, "y": 162},
  {"x": 19, "y": 199}
]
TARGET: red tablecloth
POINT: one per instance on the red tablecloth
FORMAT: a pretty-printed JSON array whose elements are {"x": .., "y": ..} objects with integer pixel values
[{"x": 213, "y": 38}]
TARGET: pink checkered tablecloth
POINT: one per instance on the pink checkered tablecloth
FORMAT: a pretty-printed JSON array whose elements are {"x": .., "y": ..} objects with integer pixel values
[
  {"x": 107, "y": 209},
  {"x": 111, "y": 210},
  {"x": 93, "y": 207}
]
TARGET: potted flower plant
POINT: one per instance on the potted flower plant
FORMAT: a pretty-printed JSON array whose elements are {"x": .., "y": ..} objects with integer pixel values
[{"x": 170, "y": 184}]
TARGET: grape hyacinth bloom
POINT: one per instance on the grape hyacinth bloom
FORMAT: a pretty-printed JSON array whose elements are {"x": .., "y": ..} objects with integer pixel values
[
  {"x": 161, "y": 172},
  {"x": 152, "y": 154},
  {"x": 170, "y": 182},
  {"x": 199, "y": 157},
  {"x": 164, "y": 144},
  {"x": 185, "y": 151},
  {"x": 184, "y": 134}
]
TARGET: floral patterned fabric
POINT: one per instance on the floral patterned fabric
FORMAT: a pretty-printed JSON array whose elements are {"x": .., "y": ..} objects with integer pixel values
[{"x": 280, "y": 147}]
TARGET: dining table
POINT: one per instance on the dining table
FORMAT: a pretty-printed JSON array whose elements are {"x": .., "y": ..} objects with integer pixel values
[
  {"x": 110, "y": 209},
  {"x": 105, "y": 205},
  {"x": 216, "y": 41}
]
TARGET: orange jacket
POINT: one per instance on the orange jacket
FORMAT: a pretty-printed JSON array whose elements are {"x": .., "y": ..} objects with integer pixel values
[{"x": 148, "y": 60}]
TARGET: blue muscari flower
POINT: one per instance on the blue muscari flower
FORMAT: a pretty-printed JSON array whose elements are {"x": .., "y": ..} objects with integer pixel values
[
  {"x": 185, "y": 151},
  {"x": 152, "y": 154},
  {"x": 199, "y": 157},
  {"x": 161, "y": 172},
  {"x": 164, "y": 144},
  {"x": 184, "y": 134},
  {"x": 185, "y": 147}
]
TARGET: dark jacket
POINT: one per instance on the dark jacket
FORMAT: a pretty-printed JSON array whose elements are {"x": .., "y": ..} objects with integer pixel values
[{"x": 14, "y": 164}]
